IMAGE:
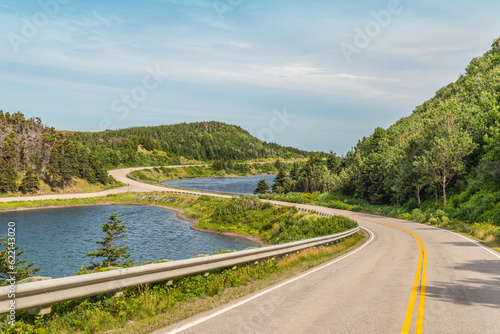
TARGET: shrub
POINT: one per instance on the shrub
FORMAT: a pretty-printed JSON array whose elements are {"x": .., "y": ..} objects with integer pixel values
[
  {"x": 417, "y": 215},
  {"x": 433, "y": 221}
]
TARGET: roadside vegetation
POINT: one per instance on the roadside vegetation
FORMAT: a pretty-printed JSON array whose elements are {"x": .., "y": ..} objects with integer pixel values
[
  {"x": 151, "y": 306},
  {"x": 246, "y": 215},
  {"x": 148, "y": 307},
  {"x": 428, "y": 213}
]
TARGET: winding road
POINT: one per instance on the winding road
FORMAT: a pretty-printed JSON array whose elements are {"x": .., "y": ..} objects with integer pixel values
[{"x": 408, "y": 277}]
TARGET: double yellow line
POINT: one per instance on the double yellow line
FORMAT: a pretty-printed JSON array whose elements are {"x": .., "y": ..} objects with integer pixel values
[{"x": 420, "y": 280}]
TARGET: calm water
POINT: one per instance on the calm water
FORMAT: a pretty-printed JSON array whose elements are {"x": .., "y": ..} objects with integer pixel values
[
  {"x": 235, "y": 185},
  {"x": 57, "y": 239}
]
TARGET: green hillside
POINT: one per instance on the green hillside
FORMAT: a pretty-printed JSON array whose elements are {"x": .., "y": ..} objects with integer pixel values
[
  {"x": 444, "y": 156},
  {"x": 33, "y": 155},
  {"x": 449, "y": 146},
  {"x": 203, "y": 141}
]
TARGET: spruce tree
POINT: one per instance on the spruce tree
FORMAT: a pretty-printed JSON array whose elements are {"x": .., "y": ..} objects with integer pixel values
[
  {"x": 30, "y": 182},
  {"x": 262, "y": 187},
  {"x": 21, "y": 267},
  {"x": 279, "y": 180},
  {"x": 8, "y": 174},
  {"x": 111, "y": 253}
]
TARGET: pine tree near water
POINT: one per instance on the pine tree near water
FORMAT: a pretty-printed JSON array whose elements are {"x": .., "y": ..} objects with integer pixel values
[
  {"x": 21, "y": 267},
  {"x": 279, "y": 180},
  {"x": 262, "y": 187},
  {"x": 111, "y": 253}
]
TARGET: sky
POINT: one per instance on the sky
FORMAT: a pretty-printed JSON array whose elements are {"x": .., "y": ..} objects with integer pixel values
[{"x": 316, "y": 75}]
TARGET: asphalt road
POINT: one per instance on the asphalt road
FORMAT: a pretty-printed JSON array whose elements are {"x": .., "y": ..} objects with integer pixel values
[{"x": 408, "y": 277}]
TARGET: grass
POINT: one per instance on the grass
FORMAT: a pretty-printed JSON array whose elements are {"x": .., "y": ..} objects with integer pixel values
[
  {"x": 428, "y": 213},
  {"x": 148, "y": 307}
]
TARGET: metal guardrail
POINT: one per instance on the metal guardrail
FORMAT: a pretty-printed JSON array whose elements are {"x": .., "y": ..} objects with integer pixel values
[{"x": 45, "y": 293}]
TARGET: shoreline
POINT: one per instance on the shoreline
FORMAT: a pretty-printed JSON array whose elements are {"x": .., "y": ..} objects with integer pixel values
[
  {"x": 180, "y": 215},
  {"x": 203, "y": 177}
]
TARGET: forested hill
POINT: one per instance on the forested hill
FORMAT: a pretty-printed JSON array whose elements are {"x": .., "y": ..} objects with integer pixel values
[
  {"x": 450, "y": 145},
  {"x": 32, "y": 154},
  {"x": 205, "y": 141}
]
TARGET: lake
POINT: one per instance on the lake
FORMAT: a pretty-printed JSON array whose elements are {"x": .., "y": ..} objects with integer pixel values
[
  {"x": 57, "y": 239},
  {"x": 234, "y": 185}
]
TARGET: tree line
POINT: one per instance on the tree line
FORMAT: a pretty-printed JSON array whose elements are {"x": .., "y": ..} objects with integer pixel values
[
  {"x": 164, "y": 144},
  {"x": 449, "y": 146},
  {"x": 30, "y": 152}
]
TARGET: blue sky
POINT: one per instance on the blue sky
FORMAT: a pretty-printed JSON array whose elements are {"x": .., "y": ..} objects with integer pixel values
[{"x": 317, "y": 75}]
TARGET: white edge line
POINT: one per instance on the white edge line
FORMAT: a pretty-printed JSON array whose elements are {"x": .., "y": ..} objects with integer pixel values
[
  {"x": 476, "y": 243},
  {"x": 224, "y": 310},
  {"x": 486, "y": 248}
]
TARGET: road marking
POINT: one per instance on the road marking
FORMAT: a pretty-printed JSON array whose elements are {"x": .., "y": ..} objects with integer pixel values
[
  {"x": 413, "y": 297},
  {"x": 420, "y": 277},
  {"x": 421, "y": 304},
  {"x": 226, "y": 309},
  {"x": 473, "y": 241}
]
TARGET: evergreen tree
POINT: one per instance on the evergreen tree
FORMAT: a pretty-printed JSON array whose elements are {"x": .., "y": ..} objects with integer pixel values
[
  {"x": 294, "y": 173},
  {"x": 278, "y": 164},
  {"x": 8, "y": 174},
  {"x": 333, "y": 163},
  {"x": 30, "y": 182},
  {"x": 21, "y": 267},
  {"x": 262, "y": 187},
  {"x": 111, "y": 253},
  {"x": 279, "y": 180}
]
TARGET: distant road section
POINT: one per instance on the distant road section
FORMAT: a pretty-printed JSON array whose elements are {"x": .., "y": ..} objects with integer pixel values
[{"x": 409, "y": 277}]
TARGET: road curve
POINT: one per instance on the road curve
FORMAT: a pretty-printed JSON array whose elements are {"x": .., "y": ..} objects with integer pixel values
[{"x": 409, "y": 277}]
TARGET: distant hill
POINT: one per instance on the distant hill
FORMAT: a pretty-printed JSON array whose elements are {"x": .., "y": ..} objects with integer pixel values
[
  {"x": 31, "y": 152},
  {"x": 450, "y": 145},
  {"x": 203, "y": 141}
]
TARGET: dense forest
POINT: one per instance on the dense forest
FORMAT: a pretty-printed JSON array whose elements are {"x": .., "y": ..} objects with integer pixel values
[
  {"x": 32, "y": 153},
  {"x": 449, "y": 146},
  {"x": 160, "y": 145}
]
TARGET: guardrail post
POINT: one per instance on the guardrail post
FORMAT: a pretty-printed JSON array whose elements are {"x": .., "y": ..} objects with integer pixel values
[
  {"x": 40, "y": 310},
  {"x": 114, "y": 294}
]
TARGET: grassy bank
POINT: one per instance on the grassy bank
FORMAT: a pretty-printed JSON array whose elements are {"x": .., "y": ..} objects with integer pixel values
[
  {"x": 428, "y": 213},
  {"x": 244, "y": 215},
  {"x": 146, "y": 307}
]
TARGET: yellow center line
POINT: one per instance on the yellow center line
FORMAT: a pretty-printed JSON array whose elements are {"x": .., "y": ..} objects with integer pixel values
[
  {"x": 420, "y": 277},
  {"x": 421, "y": 304}
]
